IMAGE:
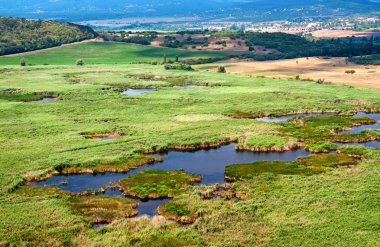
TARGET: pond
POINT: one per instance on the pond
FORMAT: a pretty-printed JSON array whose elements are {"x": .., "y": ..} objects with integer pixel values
[
  {"x": 131, "y": 91},
  {"x": 105, "y": 138},
  {"x": 47, "y": 100}
]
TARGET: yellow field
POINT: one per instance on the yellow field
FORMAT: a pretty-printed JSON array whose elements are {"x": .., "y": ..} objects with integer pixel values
[{"x": 330, "y": 70}]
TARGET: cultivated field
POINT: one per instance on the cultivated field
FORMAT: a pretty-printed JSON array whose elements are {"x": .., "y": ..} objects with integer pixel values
[{"x": 329, "y": 70}]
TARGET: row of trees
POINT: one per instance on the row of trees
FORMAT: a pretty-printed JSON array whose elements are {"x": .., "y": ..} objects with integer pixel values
[
  {"x": 172, "y": 42},
  {"x": 21, "y": 35}
]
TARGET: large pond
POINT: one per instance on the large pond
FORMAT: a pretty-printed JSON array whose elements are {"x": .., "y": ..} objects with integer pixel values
[{"x": 209, "y": 163}]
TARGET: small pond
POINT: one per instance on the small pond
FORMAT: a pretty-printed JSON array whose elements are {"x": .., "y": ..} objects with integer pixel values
[
  {"x": 131, "y": 91},
  {"x": 47, "y": 100},
  {"x": 105, "y": 138}
]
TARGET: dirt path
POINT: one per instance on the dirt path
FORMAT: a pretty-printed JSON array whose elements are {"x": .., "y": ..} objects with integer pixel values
[{"x": 51, "y": 48}]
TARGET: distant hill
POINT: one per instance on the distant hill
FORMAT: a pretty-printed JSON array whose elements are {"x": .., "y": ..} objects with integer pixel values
[
  {"x": 73, "y": 10},
  {"x": 289, "y": 9},
  {"x": 20, "y": 35}
]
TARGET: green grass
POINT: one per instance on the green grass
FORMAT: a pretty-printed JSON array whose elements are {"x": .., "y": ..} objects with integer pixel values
[
  {"x": 327, "y": 160},
  {"x": 320, "y": 146},
  {"x": 105, "y": 53},
  {"x": 157, "y": 183},
  {"x": 326, "y": 128},
  {"x": 38, "y": 216},
  {"x": 273, "y": 142},
  {"x": 101, "y": 209}
]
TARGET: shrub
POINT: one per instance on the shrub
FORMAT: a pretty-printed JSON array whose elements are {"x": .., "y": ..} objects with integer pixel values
[
  {"x": 350, "y": 71},
  {"x": 178, "y": 66},
  {"x": 321, "y": 81},
  {"x": 79, "y": 62},
  {"x": 22, "y": 62},
  {"x": 221, "y": 69}
]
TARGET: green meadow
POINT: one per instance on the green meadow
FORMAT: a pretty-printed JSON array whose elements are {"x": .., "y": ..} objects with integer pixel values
[
  {"x": 105, "y": 53},
  {"x": 338, "y": 207}
]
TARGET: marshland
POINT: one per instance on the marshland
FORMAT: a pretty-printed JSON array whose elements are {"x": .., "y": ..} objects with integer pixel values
[
  {"x": 108, "y": 142},
  {"x": 93, "y": 141}
]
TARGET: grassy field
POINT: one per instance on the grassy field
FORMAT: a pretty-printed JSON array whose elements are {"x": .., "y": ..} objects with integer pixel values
[
  {"x": 328, "y": 70},
  {"x": 336, "y": 208},
  {"x": 104, "y": 53}
]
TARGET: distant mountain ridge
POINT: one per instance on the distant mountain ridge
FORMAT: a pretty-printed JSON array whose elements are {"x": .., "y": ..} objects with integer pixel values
[
  {"x": 73, "y": 10},
  {"x": 287, "y": 9}
]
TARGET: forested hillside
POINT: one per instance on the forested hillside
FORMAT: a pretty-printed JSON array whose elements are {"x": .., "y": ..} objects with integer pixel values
[{"x": 20, "y": 35}]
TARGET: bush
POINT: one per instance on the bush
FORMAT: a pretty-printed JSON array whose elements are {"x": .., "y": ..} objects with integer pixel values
[
  {"x": 221, "y": 69},
  {"x": 79, "y": 62},
  {"x": 22, "y": 62},
  {"x": 178, "y": 66},
  {"x": 350, "y": 72}
]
